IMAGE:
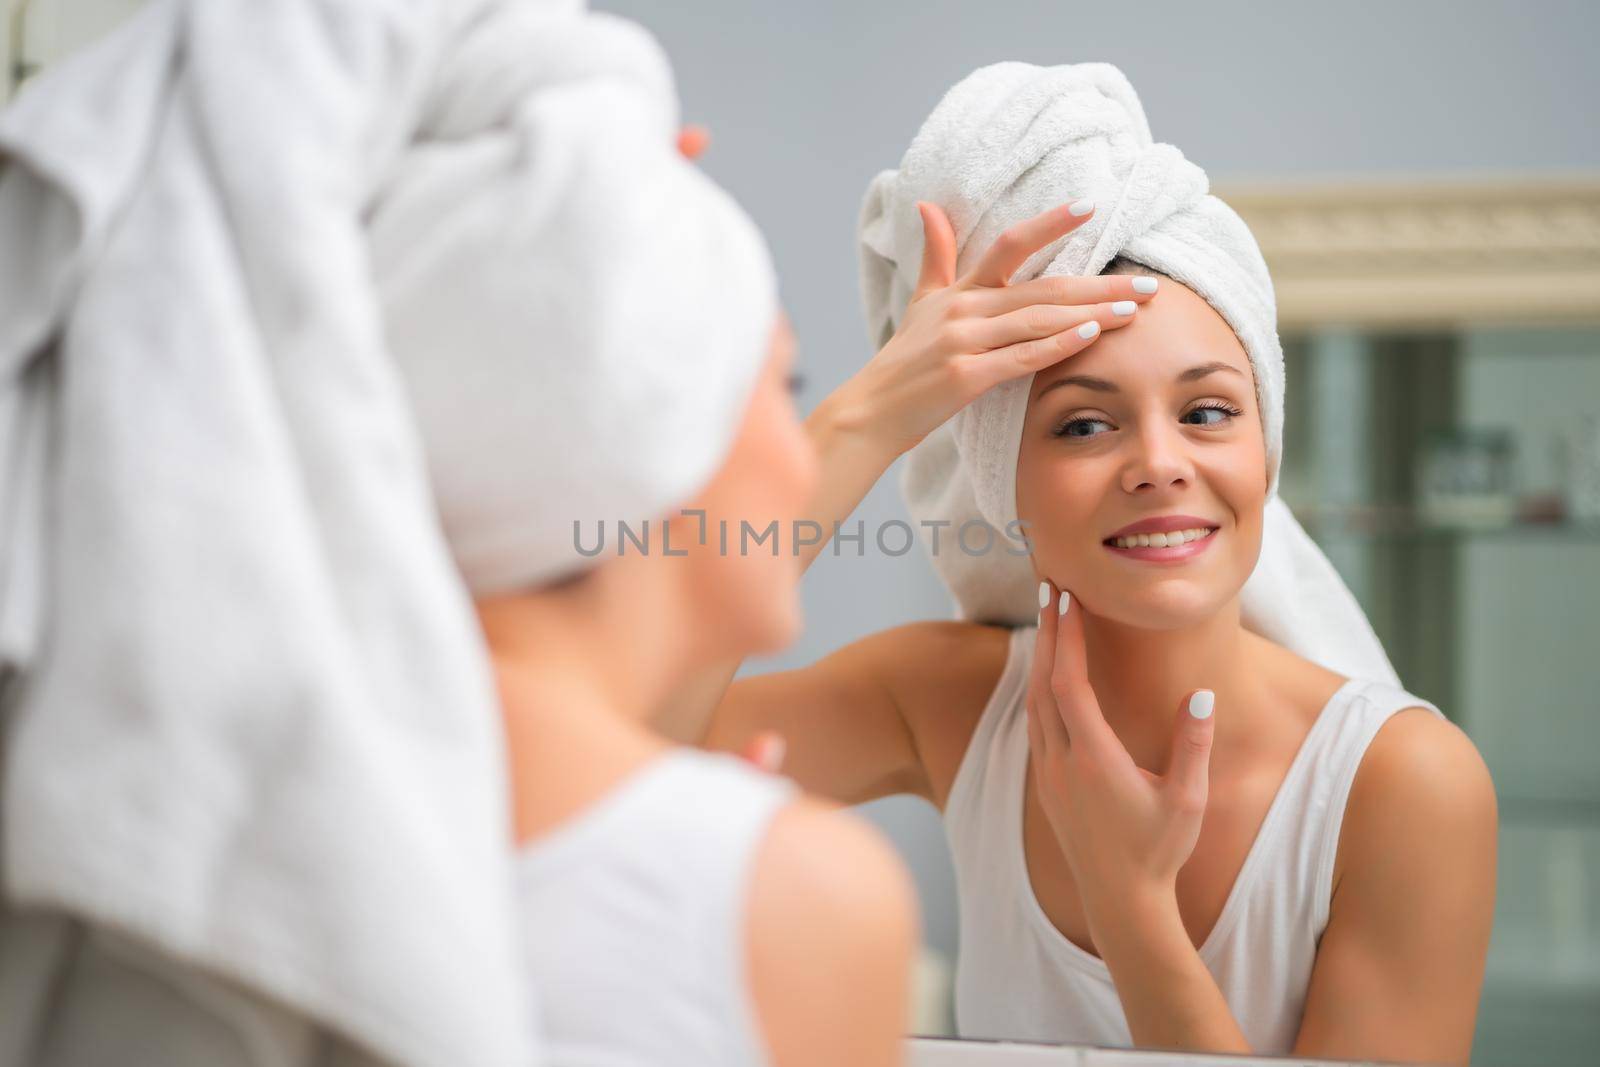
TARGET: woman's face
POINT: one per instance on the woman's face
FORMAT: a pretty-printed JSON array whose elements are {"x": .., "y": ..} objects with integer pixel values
[
  {"x": 748, "y": 597},
  {"x": 1151, "y": 435}
]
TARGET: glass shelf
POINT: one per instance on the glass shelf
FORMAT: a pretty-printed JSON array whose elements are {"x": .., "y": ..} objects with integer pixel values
[
  {"x": 1380, "y": 522},
  {"x": 1480, "y": 574}
]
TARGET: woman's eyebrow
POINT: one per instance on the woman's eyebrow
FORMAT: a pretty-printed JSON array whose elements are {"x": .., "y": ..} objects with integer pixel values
[
  {"x": 1101, "y": 385},
  {"x": 1195, "y": 373}
]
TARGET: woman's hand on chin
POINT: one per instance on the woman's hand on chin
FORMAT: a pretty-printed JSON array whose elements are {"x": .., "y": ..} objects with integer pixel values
[
  {"x": 960, "y": 336},
  {"x": 1125, "y": 832}
]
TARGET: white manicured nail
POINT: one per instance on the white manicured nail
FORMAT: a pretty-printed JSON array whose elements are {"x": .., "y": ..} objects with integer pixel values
[
  {"x": 1088, "y": 329},
  {"x": 1142, "y": 284},
  {"x": 1080, "y": 207},
  {"x": 1066, "y": 598},
  {"x": 1124, "y": 307},
  {"x": 1044, "y": 595},
  {"x": 1201, "y": 703}
]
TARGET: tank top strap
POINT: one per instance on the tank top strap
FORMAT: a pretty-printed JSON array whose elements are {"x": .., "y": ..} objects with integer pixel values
[
  {"x": 970, "y": 808},
  {"x": 1340, "y": 742}
]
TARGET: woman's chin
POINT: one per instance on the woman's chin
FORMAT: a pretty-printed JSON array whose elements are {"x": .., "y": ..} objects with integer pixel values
[{"x": 1169, "y": 605}]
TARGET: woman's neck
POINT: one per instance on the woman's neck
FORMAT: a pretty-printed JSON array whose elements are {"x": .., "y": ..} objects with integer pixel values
[
  {"x": 1141, "y": 677},
  {"x": 579, "y": 673},
  {"x": 596, "y": 645}
]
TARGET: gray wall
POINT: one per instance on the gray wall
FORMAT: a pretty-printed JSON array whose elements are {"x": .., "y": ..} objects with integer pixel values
[{"x": 806, "y": 100}]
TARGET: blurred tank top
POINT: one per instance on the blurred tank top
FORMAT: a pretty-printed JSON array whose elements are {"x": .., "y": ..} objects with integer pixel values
[
  {"x": 1019, "y": 978},
  {"x": 633, "y": 917}
]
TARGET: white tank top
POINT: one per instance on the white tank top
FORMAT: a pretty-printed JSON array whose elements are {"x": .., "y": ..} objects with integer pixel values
[
  {"x": 633, "y": 917},
  {"x": 1018, "y": 977}
]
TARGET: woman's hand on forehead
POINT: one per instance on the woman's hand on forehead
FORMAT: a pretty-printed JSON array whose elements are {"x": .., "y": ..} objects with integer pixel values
[{"x": 959, "y": 337}]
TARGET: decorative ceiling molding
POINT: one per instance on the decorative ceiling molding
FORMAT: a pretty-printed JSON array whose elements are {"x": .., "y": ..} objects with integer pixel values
[{"x": 1426, "y": 253}]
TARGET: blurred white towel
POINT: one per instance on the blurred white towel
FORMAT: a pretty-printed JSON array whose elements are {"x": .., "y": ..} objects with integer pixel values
[{"x": 250, "y": 716}]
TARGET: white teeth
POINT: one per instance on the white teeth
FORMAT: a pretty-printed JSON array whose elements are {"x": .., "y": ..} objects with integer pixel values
[{"x": 1162, "y": 540}]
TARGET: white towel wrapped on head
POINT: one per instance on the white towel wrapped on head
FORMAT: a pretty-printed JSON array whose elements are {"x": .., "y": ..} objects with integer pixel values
[
  {"x": 268, "y": 270},
  {"x": 1012, "y": 140}
]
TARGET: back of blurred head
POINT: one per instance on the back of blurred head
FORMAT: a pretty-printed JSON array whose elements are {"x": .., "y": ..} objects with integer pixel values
[{"x": 645, "y": 375}]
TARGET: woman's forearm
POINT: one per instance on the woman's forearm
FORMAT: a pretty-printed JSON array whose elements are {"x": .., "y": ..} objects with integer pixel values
[
  {"x": 851, "y": 457},
  {"x": 1170, "y": 999}
]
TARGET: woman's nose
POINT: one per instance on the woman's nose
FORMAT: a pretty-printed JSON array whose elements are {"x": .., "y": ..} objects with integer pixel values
[{"x": 1160, "y": 460}]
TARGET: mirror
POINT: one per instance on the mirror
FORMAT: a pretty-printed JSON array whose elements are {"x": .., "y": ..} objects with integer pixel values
[
  {"x": 1441, "y": 319},
  {"x": 1442, "y": 344}
]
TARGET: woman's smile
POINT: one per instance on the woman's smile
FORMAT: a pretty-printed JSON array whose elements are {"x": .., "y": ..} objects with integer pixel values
[{"x": 1163, "y": 539}]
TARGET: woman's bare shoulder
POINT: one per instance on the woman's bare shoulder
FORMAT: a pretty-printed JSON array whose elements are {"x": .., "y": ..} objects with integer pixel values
[
  {"x": 829, "y": 896},
  {"x": 1420, "y": 827},
  {"x": 1420, "y": 777},
  {"x": 931, "y": 664},
  {"x": 941, "y": 675}
]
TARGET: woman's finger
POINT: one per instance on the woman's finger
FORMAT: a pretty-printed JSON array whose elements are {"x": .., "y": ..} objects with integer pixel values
[
  {"x": 1025, "y": 357},
  {"x": 1035, "y": 734},
  {"x": 1052, "y": 730},
  {"x": 938, "y": 249},
  {"x": 1062, "y": 289},
  {"x": 1045, "y": 320},
  {"x": 692, "y": 141},
  {"x": 1189, "y": 766},
  {"x": 1013, "y": 247},
  {"x": 1069, "y": 681},
  {"x": 765, "y": 751}
]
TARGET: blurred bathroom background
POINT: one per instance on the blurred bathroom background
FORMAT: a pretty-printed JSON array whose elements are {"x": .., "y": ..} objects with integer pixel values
[{"x": 1425, "y": 181}]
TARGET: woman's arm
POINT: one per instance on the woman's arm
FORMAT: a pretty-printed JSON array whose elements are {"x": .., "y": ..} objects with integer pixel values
[
  {"x": 1400, "y": 966},
  {"x": 885, "y": 715},
  {"x": 1169, "y": 997}
]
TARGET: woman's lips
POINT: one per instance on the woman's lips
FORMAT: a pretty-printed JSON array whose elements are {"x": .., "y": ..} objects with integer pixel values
[{"x": 1171, "y": 547}]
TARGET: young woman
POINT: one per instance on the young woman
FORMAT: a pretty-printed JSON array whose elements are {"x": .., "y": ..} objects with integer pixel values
[
  {"x": 1309, "y": 868},
  {"x": 675, "y": 905}
]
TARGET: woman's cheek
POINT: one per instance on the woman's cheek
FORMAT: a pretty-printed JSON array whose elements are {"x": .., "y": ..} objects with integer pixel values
[
  {"x": 1240, "y": 479},
  {"x": 1062, "y": 516}
]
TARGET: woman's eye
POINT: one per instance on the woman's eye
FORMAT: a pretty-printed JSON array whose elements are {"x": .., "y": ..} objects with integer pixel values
[
  {"x": 1084, "y": 427},
  {"x": 1210, "y": 415}
]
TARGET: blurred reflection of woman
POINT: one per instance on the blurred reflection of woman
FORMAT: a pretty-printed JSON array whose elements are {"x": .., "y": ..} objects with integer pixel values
[
  {"x": 1310, "y": 869},
  {"x": 678, "y": 906},
  {"x": 338, "y": 315}
]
